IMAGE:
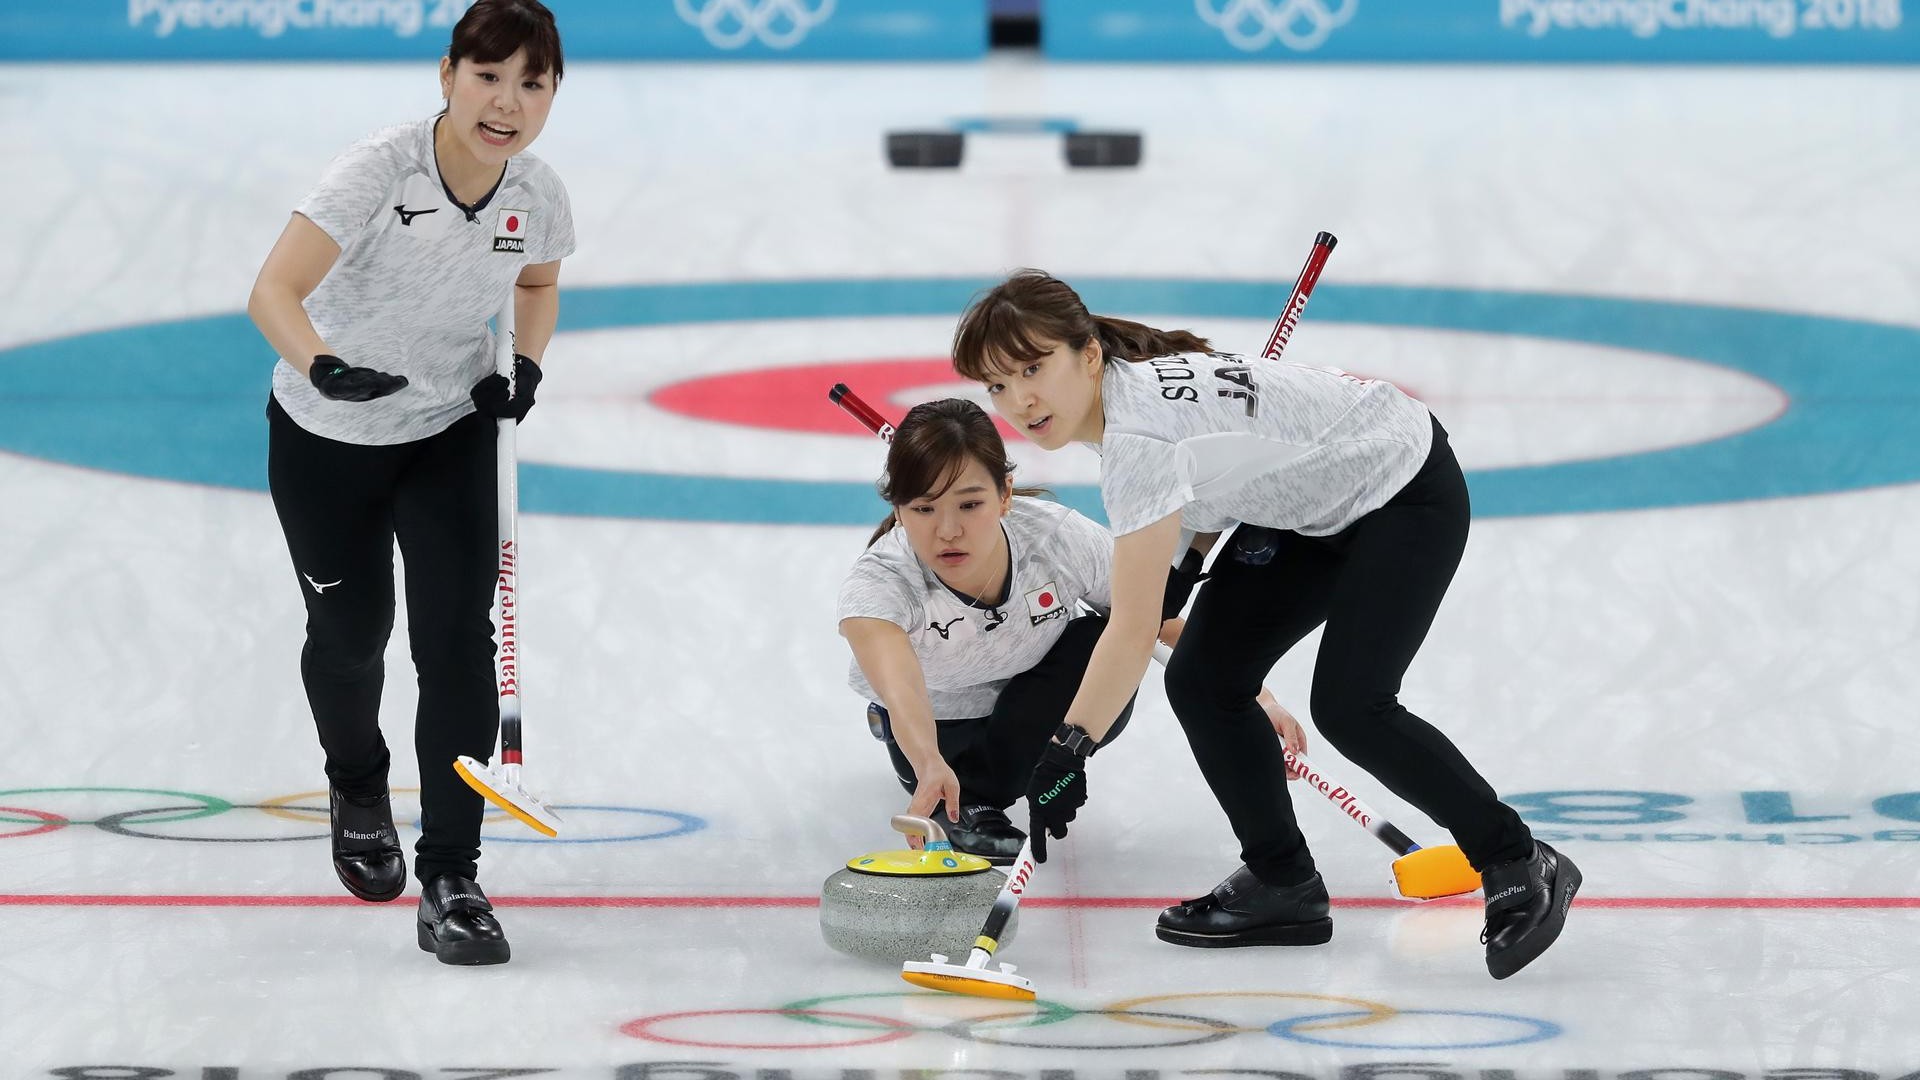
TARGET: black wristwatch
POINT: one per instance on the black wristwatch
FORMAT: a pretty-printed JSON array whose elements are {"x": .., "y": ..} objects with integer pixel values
[{"x": 1075, "y": 739}]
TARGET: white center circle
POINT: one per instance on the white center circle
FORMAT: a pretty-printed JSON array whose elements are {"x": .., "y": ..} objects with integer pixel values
[{"x": 1505, "y": 400}]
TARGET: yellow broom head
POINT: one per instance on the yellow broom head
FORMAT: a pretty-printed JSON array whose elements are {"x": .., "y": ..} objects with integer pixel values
[
  {"x": 504, "y": 791},
  {"x": 1434, "y": 872}
]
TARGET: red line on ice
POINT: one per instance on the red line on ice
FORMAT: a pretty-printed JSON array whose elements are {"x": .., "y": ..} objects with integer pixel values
[{"x": 1646, "y": 903}]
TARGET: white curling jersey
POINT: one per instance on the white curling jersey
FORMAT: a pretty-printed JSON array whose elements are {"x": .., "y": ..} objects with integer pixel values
[
  {"x": 968, "y": 653},
  {"x": 417, "y": 279},
  {"x": 1223, "y": 438}
]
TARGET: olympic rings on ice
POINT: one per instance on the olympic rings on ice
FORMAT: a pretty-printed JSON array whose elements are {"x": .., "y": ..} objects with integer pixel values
[
  {"x": 974, "y": 1020},
  {"x": 306, "y": 808},
  {"x": 1374, "y": 1011}
]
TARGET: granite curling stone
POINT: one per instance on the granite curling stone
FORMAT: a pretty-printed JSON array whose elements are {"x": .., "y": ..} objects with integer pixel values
[{"x": 895, "y": 906}]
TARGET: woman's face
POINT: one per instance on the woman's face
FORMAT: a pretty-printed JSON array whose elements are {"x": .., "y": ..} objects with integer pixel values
[
  {"x": 1054, "y": 400},
  {"x": 495, "y": 110},
  {"x": 957, "y": 531}
]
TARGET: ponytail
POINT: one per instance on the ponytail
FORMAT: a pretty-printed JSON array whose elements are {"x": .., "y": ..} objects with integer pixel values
[
  {"x": 1125, "y": 340},
  {"x": 1016, "y": 322}
]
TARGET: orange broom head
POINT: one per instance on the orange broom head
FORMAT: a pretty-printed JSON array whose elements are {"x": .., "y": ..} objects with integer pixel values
[
  {"x": 1434, "y": 872},
  {"x": 508, "y": 796},
  {"x": 974, "y": 982}
]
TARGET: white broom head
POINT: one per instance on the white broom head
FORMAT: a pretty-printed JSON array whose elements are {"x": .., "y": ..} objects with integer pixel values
[
  {"x": 937, "y": 974},
  {"x": 501, "y": 786}
]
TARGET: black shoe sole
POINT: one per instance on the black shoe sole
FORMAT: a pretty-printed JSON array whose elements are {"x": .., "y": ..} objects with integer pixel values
[
  {"x": 1317, "y": 932},
  {"x": 373, "y": 898},
  {"x": 462, "y": 953},
  {"x": 1566, "y": 882}
]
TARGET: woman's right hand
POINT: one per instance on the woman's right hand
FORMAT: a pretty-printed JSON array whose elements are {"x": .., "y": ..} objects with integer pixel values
[
  {"x": 937, "y": 784},
  {"x": 340, "y": 381}
]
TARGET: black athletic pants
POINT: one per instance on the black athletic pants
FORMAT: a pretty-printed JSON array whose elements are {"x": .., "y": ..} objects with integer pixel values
[
  {"x": 1376, "y": 585},
  {"x": 342, "y": 506},
  {"x": 993, "y": 756}
]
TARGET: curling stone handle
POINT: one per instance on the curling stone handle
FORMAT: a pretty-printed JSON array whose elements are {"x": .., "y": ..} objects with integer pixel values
[{"x": 925, "y": 828}]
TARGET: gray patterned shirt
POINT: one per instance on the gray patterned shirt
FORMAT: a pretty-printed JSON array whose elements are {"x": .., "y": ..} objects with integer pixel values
[
  {"x": 416, "y": 281},
  {"x": 968, "y": 653},
  {"x": 1222, "y": 439}
]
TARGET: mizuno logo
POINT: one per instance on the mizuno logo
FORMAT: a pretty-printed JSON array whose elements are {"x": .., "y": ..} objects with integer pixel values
[
  {"x": 407, "y": 216},
  {"x": 943, "y": 631},
  {"x": 317, "y": 587}
]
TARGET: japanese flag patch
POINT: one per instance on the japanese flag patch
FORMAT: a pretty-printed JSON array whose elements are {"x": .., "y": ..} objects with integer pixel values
[
  {"x": 1044, "y": 603},
  {"x": 510, "y": 231}
]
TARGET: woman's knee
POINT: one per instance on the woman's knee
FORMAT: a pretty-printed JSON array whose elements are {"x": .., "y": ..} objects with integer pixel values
[
  {"x": 1342, "y": 711},
  {"x": 1195, "y": 688},
  {"x": 345, "y": 656}
]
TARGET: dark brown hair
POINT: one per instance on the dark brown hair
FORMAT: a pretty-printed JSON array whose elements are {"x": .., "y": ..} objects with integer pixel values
[
  {"x": 493, "y": 30},
  {"x": 931, "y": 448},
  {"x": 1006, "y": 327}
]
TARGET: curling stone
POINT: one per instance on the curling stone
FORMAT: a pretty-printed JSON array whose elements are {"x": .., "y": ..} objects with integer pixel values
[{"x": 896, "y": 906}]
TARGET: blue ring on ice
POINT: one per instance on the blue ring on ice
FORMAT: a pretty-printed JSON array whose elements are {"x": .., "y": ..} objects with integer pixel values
[
  {"x": 183, "y": 400},
  {"x": 1541, "y": 1029}
]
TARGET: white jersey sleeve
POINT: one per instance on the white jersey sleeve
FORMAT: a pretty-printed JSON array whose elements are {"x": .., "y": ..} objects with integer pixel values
[
  {"x": 351, "y": 192},
  {"x": 881, "y": 586},
  {"x": 553, "y": 238},
  {"x": 1140, "y": 480}
]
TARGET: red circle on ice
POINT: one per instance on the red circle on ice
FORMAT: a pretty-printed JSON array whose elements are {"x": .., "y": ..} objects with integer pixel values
[
  {"x": 513, "y": 223},
  {"x": 795, "y": 398}
]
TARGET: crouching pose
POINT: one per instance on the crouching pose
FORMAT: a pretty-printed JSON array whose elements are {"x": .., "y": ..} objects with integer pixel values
[
  {"x": 1369, "y": 513},
  {"x": 963, "y": 615}
]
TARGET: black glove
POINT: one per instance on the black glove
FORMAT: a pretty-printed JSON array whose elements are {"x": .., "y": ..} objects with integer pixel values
[
  {"x": 1181, "y": 581},
  {"x": 341, "y": 381},
  {"x": 490, "y": 394},
  {"x": 1055, "y": 794}
]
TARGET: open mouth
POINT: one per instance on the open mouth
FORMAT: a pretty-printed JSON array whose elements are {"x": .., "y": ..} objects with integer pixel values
[
  {"x": 1039, "y": 426},
  {"x": 497, "y": 136},
  {"x": 951, "y": 557}
]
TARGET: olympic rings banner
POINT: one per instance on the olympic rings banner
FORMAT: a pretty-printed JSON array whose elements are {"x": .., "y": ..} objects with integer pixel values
[
  {"x": 418, "y": 29},
  {"x": 1745, "y": 31}
]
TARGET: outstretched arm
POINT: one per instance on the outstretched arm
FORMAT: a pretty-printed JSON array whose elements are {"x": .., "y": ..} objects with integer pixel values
[
  {"x": 887, "y": 659},
  {"x": 1140, "y": 563}
]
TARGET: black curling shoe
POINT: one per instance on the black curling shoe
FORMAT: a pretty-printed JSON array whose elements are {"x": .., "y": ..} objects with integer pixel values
[
  {"x": 366, "y": 848},
  {"x": 985, "y": 831},
  {"x": 1243, "y": 910},
  {"x": 456, "y": 923},
  {"x": 1527, "y": 901}
]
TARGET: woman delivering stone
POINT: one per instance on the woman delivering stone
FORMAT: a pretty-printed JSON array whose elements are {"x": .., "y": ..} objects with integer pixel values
[{"x": 963, "y": 615}]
